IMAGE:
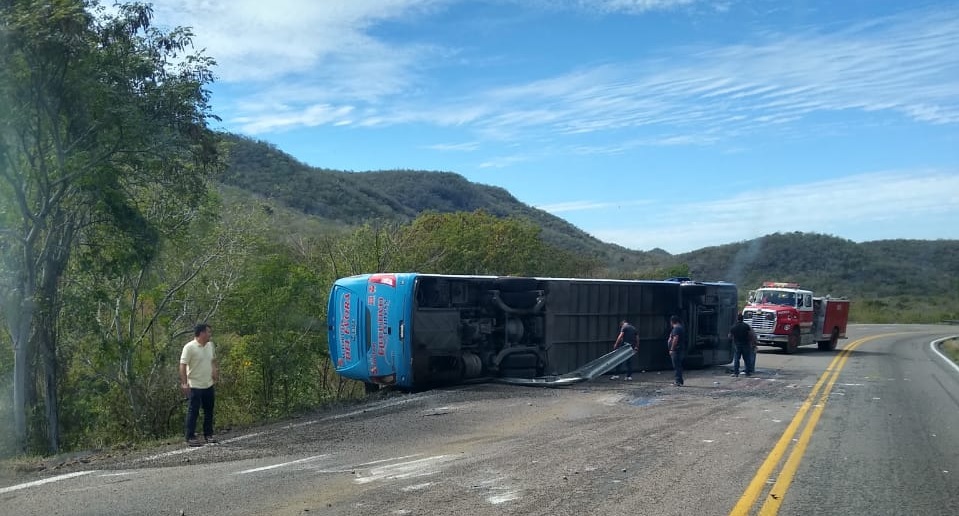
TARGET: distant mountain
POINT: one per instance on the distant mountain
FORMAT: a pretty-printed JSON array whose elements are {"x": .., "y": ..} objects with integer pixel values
[
  {"x": 834, "y": 265},
  {"x": 353, "y": 198},
  {"x": 890, "y": 268}
]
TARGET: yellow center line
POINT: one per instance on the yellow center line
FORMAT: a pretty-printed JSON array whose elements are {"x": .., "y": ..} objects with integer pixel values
[{"x": 759, "y": 481}]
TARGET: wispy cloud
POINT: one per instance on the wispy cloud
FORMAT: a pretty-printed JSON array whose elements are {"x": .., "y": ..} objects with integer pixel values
[
  {"x": 505, "y": 161},
  {"x": 907, "y": 65},
  {"x": 455, "y": 147},
  {"x": 298, "y": 63},
  {"x": 565, "y": 207},
  {"x": 862, "y": 201}
]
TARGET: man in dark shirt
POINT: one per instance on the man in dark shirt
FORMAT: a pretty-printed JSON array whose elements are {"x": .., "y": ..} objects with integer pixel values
[
  {"x": 627, "y": 335},
  {"x": 741, "y": 335},
  {"x": 677, "y": 347}
]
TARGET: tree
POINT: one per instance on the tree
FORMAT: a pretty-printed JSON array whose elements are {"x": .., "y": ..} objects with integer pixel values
[
  {"x": 480, "y": 243},
  {"x": 124, "y": 329},
  {"x": 99, "y": 113}
]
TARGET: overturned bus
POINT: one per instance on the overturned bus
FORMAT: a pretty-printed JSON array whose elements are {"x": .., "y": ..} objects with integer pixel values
[{"x": 415, "y": 330}]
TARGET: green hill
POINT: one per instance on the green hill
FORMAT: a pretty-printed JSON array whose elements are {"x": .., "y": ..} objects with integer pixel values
[
  {"x": 832, "y": 264},
  {"x": 916, "y": 275},
  {"x": 263, "y": 170}
]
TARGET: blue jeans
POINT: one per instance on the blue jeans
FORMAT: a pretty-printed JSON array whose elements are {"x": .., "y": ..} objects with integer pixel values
[
  {"x": 749, "y": 358},
  {"x": 677, "y": 358},
  {"x": 198, "y": 398}
]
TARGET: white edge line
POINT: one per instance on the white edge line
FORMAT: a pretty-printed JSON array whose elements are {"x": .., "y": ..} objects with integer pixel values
[
  {"x": 369, "y": 408},
  {"x": 45, "y": 481},
  {"x": 934, "y": 346},
  {"x": 266, "y": 468}
]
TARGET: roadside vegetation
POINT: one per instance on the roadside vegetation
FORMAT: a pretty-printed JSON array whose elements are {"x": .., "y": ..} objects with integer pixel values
[
  {"x": 114, "y": 243},
  {"x": 951, "y": 349}
]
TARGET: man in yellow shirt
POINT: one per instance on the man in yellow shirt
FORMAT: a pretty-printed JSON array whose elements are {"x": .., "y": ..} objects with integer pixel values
[{"x": 198, "y": 373}]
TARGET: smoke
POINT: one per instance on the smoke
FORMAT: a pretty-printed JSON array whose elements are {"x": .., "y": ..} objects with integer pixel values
[{"x": 743, "y": 258}]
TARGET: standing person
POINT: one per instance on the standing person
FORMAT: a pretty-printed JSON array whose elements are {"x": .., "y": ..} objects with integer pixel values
[
  {"x": 742, "y": 336},
  {"x": 677, "y": 348},
  {"x": 627, "y": 335},
  {"x": 198, "y": 372}
]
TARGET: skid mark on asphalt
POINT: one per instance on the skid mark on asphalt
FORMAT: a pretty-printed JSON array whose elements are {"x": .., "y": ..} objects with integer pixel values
[
  {"x": 416, "y": 487},
  {"x": 499, "y": 489},
  {"x": 404, "y": 470},
  {"x": 281, "y": 465}
]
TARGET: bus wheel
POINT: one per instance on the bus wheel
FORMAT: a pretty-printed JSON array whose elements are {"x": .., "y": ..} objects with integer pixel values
[
  {"x": 793, "y": 343},
  {"x": 370, "y": 387}
]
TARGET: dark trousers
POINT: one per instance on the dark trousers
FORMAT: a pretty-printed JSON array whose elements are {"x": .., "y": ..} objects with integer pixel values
[
  {"x": 677, "y": 358},
  {"x": 749, "y": 358},
  {"x": 200, "y": 398}
]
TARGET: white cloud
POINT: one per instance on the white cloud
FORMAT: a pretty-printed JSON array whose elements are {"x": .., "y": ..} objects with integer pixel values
[
  {"x": 856, "y": 204},
  {"x": 905, "y": 65},
  {"x": 565, "y": 207},
  {"x": 309, "y": 117},
  {"x": 633, "y": 6},
  {"x": 455, "y": 147},
  {"x": 315, "y": 63},
  {"x": 504, "y": 161},
  {"x": 254, "y": 40}
]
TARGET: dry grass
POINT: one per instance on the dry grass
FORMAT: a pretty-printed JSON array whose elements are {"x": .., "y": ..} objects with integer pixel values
[{"x": 951, "y": 349}]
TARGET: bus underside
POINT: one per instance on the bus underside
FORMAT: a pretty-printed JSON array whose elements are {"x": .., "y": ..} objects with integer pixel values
[{"x": 523, "y": 328}]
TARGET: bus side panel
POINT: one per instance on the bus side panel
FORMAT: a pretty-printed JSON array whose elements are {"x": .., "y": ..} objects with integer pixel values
[{"x": 582, "y": 320}]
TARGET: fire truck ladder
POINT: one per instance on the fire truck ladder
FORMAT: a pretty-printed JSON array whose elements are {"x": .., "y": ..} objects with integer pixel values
[{"x": 597, "y": 367}]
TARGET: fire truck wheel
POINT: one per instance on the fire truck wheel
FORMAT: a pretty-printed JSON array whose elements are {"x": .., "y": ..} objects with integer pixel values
[
  {"x": 793, "y": 344},
  {"x": 834, "y": 339}
]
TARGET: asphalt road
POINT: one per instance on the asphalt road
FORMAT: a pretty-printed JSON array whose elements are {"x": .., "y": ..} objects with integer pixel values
[{"x": 869, "y": 430}]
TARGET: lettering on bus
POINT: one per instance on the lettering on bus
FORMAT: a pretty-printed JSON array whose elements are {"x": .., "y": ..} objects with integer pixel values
[
  {"x": 346, "y": 344},
  {"x": 382, "y": 324}
]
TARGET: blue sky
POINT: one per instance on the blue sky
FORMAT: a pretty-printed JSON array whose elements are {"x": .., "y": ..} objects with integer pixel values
[{"x": 672, "y": 124}]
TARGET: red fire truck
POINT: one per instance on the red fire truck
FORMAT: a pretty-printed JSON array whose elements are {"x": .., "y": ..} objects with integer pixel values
[{"x": 787, "y": 316}]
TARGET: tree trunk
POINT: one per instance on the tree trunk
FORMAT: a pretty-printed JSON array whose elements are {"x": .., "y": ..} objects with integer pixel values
[
  {"x": 51, "y": 399},
  {"x": 57, "y": 253},
  {"x": 21, "y": 379},
  {"x": 19, "y": 314}
]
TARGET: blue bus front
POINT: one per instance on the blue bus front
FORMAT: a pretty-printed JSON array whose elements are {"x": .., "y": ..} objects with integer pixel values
[{"x": 368, "y": 320}]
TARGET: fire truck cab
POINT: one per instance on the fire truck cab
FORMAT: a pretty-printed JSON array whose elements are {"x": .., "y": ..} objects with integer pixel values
[{"x": 787, "y": 316}]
